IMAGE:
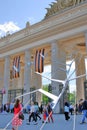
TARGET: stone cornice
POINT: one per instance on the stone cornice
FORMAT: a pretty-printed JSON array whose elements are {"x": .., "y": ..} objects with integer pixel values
[
  {"x": 52, "y": 28},
  {"x": 44, "y": 25},
  {"x": 61, "y": 5}
]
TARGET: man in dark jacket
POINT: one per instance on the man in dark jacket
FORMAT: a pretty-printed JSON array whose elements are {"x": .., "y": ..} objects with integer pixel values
[{"x": 84, "y": 110}]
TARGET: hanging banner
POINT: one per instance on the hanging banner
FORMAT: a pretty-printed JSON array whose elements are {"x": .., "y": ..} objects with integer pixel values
[
  {"x": 39, "y": 60},
  {"x": 16, "y": 67}
]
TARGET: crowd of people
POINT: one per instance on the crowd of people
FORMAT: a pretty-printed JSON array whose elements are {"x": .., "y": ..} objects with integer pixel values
[
  {"x": 34, "y": 111},
  {"x": 8, "y": 107},
  {"x": 80, "y": 108},
  {"x": 45, "y": 112},
  {"x": 42, "y": 112}
]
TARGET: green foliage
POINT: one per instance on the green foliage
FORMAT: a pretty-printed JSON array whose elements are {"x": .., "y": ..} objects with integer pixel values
[
  {"x": 71, "y": 97},
  {"x": 45, "y": 99}
]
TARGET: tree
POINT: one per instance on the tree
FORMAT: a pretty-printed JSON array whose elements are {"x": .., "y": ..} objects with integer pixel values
[
  {"x": 44, "y": 97},
  {"x": 71, "y": 97}
]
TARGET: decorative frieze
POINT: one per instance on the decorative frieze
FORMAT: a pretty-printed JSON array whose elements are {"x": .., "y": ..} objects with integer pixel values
[{"x": 61, "y": 5}]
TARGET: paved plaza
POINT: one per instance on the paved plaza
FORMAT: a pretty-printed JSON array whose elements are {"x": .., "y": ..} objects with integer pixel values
[{"x": 59, "y": 124}]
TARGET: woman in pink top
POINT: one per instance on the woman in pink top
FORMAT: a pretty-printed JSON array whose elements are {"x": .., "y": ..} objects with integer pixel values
[{"x": 16, "y": 121}]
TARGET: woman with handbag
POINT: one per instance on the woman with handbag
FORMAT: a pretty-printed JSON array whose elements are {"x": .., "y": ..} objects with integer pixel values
[{"x": 16, "y": 121}]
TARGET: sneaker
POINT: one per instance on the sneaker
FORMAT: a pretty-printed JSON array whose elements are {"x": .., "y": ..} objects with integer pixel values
[
  {"x": 42, "y": 121},
  {"x": 35, "y": 123},
  {"x": 28, "y": 123},
  {"x": 13, "y": 129},
  {"x": 82, "y": 122}
]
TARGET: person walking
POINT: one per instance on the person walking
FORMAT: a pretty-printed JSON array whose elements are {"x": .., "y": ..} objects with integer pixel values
[
  {"x": 37, "y": 112},
  {"x": 66, "y": 111},
  {"x": 45, "y": 114},
  {"x": 84, "y": 110},
  {"x": 41, "y": 108},
  {"x": 32, "y": 114},
  {"x": 50, "y": 113},
  {"x": 77, "y": 109},
  {"x": 71, "y": 108},
  {"x": 16, "y": 122}
]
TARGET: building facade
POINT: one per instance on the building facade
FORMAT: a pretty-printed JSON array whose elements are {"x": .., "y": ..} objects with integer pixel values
[{"x": 63, "y": 35}]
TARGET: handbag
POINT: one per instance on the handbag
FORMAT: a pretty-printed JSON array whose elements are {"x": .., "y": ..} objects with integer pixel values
[{"x": 21, "y": 116}]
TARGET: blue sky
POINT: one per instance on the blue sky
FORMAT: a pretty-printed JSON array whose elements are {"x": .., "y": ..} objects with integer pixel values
[
  {"x": 15, "y": 13},
  {"x": 21, "y": 11}
]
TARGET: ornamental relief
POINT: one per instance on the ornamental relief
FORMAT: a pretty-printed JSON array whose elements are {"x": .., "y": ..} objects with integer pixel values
[
  {"x": 65, "y": 3},
  {"x": 60, "y": 5}
]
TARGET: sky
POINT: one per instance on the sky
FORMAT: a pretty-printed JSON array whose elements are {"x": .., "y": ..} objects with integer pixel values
[{"x": 15, "y": 13}]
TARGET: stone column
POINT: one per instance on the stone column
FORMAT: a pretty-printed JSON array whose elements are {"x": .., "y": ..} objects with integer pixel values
[
  {"x": 6, "y": 79},
  {"x": 86, "y": 40},
  {"x": 27, "y": 76},
  {"x": 80, "y": 69},
  {"x": 57, "y": 57},
  {"x": 37, "y": 84},
  {"x": 1, "y": 75}
]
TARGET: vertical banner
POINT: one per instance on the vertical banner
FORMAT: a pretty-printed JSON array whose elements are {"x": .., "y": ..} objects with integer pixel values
[
  {"x": 39, "y": 60},
  {"x": 36, "y": 60},
  {"x": 16, "y": 67}
]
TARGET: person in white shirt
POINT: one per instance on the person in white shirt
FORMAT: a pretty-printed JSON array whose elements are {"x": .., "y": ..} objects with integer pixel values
[
  {"x": 66, "y": 111},
  {"x": 32, "y": 114}
]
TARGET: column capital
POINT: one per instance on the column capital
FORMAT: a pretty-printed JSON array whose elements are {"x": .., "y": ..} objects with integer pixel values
[
  {"x": 7, "y": 56},
  {"x": 27, "y": 51},
  {"x": 53, "y": 41}
]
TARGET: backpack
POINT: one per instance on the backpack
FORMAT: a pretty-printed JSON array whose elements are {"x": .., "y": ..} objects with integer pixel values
[
  {"x": 49, "y": 109},
  {"x": 85, "y": 104}
]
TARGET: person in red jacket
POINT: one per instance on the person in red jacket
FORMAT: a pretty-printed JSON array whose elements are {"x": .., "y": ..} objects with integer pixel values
[{"x": 16, "y": 121}]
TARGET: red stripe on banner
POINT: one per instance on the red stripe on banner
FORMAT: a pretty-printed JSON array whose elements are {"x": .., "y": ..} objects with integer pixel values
[
  {"x": 16, "y": 67},
  {"x": 17, "y": 63},
  {"x": 42, "y": 53},
  {"x": 19, "y": 66},
  {"x": 36, "y": 61},
  {"x": 13, "y": 68},
  {"x": 41, "y": 60}
]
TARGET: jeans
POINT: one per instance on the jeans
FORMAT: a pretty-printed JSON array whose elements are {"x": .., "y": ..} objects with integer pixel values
[{"x": 84, "y": 115}]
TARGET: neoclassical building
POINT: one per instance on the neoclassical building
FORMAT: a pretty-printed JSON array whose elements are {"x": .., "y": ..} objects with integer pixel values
[{"x": 63, "y": 35}]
